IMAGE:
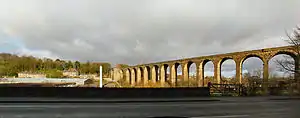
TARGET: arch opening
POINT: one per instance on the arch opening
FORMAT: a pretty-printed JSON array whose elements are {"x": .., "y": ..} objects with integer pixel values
[
  {"x": 192, "y": 79},
  {"x": 208, "y": 69},
  {"x": 252, "y": 71},
  {"x": 135, "y": 75},
  {"x": 168, "y": 75},
  {"x": 178, "y": 73},
  {"x": 157, "y": 73},
  {"x": 140, "y": 75},
  {"x": 149, "y": 73},
  {"x": 281, "y": 70},
  {"x": 228, "y": 71},
  {"x": 288, "y": 55}
]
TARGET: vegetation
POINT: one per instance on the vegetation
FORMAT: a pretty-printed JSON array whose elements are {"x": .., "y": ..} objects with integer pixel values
[
  {"x": 53, "y": 73},
  {"x": 288, "y": 65},
  {"x": 123, "y": 65},
  {"x": 11, "y": 65},
  {"x": 124, "y": 83}
]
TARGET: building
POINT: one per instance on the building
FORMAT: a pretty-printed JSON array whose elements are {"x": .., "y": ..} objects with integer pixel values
[
  {"x": 88, "y": 76},
  {"x": 31, "y": 75},
  {"x": 63, "y": 82},
  {"x": 71, "y": 73}
]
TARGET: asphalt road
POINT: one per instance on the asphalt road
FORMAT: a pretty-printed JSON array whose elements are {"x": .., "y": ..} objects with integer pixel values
[{"x": 226, "y": 108}]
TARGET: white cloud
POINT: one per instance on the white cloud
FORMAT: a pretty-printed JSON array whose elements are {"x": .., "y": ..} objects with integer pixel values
[
  {"x": 82, "y": 44},
  {"x": 107, "y": 30},
  {"x": 36, "y": 53}
]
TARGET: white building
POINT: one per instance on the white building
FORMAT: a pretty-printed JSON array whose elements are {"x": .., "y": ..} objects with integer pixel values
[
  {"x": 31, "y": 75},
  {"x": 79, "y": 82},
  {"x": 88, "y": 76},
  {"x": 70, "y": 73}
]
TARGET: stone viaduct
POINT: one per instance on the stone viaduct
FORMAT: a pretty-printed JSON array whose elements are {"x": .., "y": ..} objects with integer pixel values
[{"x": 144, "y": 73}]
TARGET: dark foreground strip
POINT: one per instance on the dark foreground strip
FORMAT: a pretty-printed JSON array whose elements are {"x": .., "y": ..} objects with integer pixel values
[
  {"x": 296, "y": 98},
  {"x": 120, "y": 101},
  {"x": 89, "y": 92}
]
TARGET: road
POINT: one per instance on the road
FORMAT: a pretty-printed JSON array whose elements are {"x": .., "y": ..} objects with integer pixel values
[{"x": 225, "y": 108}]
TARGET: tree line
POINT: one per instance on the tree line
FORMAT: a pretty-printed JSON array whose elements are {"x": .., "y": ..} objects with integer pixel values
[{"x": 11, "y": 65}]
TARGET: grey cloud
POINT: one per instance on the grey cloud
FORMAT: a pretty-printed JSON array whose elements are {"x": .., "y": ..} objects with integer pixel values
[{"x": 135, "y": 31}]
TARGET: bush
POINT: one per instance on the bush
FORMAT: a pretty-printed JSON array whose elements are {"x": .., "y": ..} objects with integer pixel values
[
  {"x": 53, "y": 73},
  {"x": 259, "y": 92},
  {"x": 123, "y": 83},
  {"x": 284, "y": 92}
]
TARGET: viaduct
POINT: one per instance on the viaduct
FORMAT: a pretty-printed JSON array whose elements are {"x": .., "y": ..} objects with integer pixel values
[{"x": 144, "y": 73}]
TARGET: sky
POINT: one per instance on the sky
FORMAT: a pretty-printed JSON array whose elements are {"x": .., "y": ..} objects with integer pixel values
[{"x": 142, "y": 31}]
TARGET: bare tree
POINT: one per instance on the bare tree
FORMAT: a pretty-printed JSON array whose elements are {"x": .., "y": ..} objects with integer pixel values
[
  {"x": 292, "y": 65},
  {"x": 258, "y": 73},
  {"x": 288, "y": 64}
]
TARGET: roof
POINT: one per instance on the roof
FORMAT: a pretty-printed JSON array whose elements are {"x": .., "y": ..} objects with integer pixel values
[
  {"x": 30, "y": 73},
  {"x": 71, "y": 70}
]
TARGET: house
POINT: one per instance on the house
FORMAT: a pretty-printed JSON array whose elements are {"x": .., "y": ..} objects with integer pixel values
[
  {"x": 71, "y": 73},
  {"x": 88, "y": 76},
  {"x": 31, "y": 75},
  {"x": 63, "y": 82}
]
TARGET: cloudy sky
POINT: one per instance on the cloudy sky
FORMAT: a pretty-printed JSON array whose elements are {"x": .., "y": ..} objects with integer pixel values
[{"x": 142, "y": 31}]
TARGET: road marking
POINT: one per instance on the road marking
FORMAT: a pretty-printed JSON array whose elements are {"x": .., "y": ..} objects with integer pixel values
[{"x": 227, "y": 116}]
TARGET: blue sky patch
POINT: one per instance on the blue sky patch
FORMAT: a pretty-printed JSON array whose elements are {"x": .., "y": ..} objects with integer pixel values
[{"x": 9, "y": 44}]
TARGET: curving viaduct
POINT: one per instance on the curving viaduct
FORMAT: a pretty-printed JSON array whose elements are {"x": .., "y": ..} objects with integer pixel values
[{"x": 144, "y": 73}]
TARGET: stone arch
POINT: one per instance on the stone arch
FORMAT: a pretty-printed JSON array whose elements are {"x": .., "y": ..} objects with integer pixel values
[
  {"x": 167, "y": 73},
  {"x": 205, "y": 61},
  {"x": 290, "y": 53},
  {"x": 176, "y": 65},
  {"x": 148, "y": 69},
  {"x": 133, "y": 76},
  {"x": 139, "y": 75},
  {"x": 155, "y": 73},
  {"x": 255, "y": 75},
  {"x": 166, "y": 66},
  {"x": 128, "y": 76},
  {"x": 290, "y": 63},
  {"x": 252, "y": 55},
  {"x": 225, "y": 59},
  {"x": 207, "y": 79},
  {"x": 227, "y": 80},
  {"x": 192, "y": 78},
  {"x": 189, "y": 64}
]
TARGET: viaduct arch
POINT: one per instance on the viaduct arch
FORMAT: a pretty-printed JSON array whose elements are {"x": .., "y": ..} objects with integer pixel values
[{"x": 157, "y": 72}]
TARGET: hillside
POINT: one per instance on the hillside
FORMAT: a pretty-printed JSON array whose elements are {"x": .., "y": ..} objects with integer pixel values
[{"x": 11, "y": 65}]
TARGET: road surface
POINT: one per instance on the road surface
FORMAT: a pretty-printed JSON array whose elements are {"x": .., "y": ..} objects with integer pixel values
[{"x": 225, "y": 108}]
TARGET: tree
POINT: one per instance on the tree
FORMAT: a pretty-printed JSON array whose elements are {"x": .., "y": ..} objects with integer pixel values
[
  {"x": 59, "y": 65},
  {"x": 258, "y": 73},
  {"x": 106, "y": 68},
  {"x": 122, "y": 65},
  {"x": 53, "y": 73},
  {"x": 289, "y": 65},
  {"x": 68, "y": 65},
  {"x": 11, "y": 65},
  {"x": 77, "y": 65},
  {"x": 286, "y": 64},
  {"x": 84, "y": 68}
]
